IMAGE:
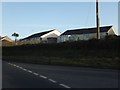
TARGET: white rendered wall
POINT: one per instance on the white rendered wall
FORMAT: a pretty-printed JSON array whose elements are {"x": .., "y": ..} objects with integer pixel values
[{"x": 54, "y": 33}]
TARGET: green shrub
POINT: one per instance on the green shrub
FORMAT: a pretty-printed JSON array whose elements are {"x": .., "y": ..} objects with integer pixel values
[{"x": 93, "y": 53}]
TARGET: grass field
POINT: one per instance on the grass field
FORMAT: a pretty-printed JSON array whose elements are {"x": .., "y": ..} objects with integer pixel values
[{"x": 92, "y": 53}]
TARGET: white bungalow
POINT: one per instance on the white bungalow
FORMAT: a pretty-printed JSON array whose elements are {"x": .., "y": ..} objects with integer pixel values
[
  {"x": 43, "y": 36},
  {"x": 85, "y": 34}
]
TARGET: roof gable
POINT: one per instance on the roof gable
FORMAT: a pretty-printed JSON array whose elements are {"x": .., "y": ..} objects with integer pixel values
[
  {"x": 86, "y": 30},
  {"x": 37, "y": 35},
  {"x": 6, "y": 39}
]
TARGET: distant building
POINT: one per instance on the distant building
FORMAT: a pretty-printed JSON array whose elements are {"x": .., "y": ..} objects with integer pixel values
[
  {"x": 5, "y": 39},
  {"x": 85, "y": 34},
  {"x": 43, "y": 36}
]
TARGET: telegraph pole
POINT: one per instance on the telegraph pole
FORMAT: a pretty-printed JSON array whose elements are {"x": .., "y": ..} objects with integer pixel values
[{"x": 98, "y": 19}]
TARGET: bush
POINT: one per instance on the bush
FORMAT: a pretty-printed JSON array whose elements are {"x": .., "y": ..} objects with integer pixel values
[{"x": 93, "y": 53}]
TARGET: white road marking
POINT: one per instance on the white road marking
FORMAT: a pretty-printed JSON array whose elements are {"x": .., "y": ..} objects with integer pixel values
[
  {"x": 9, "y": 63},
  {"x": 25, "y": 69},
  {"x": 43, "y": 77},
  {"x": 64, "y": 85},
  {"x": 29, "y": 71},
  {"x": 36, "y": 74},
  {"x": 21, "y": 67},
  {"x": 52, "y": 80},
  {"x": 17, "y": 66},
  {"x": 14, "y": 65}
]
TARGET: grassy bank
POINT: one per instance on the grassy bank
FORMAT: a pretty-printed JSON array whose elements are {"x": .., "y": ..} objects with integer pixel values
[{"x": 92, "y": 53}]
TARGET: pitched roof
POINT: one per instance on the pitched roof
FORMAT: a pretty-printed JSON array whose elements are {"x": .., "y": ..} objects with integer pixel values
[
  {"x": 37, "y": 35},
  {"x": 86, "y": 30},
  {"x": 5, "y": 38}
]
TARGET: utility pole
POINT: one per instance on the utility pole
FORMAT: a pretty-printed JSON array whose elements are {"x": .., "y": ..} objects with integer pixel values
[{"x": 98, "y": 19}]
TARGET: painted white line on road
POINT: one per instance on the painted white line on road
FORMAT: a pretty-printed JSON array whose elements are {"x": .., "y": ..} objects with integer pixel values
[
  {"x": 29, "y": 71},
  {"x": 43, "y": 77},
  {"x": 52, "y": 80},
  {"x": 25, "y": 69},
  {"x": 36, "y": 74},
  {"x": 64, "y": 85},
  {"x": 21, "y": 67},
  {"x": 9, "y": 63},
  {"x": 17, "y": 66},
  {"x": 14, "y": 65}
]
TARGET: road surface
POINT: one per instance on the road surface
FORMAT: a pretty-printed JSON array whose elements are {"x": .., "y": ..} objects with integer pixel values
[
  {"x": 20, "y": 75},
  {"x": 0, "y": 74}
]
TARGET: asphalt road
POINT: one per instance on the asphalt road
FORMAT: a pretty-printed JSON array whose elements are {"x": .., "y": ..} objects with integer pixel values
[
  {"x": 19, "y": 75},
  {"x": 0, "y": 74}
]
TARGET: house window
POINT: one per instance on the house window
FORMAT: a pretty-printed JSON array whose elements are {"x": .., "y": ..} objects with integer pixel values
[
  {"x": 40, "y": 38},
  {"x": 69, "y": 36},
  {"x": 106, "y": 34},
  {"x": 64, "y": 39},
  {"x": 87, "y": 36}
]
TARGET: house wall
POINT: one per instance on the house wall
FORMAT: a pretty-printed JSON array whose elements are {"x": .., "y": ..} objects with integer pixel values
[
  {"x": 52, "y": 40},
  {"x": 103, "y": 35},
  {"x": 64, "y": 38},
  {"x": 7, "y": 39},
  {"x": 111, "y": 31},
  {"x": 54, "y": 34}
]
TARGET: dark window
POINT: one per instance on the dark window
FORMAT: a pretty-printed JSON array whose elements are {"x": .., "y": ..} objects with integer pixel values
[{"x": 106, "y": 34}]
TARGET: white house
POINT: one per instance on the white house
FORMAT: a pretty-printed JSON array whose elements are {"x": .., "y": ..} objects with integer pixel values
[
  {"x": 43, "y": 36},
  {"x": 85, "y": 34}
]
